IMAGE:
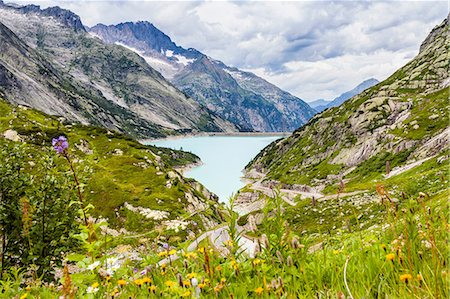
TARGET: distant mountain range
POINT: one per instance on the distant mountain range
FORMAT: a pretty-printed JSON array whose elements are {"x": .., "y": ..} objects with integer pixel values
[
  {"x": 50, "y": 62},
  {"x": 318, "y": 104},
  {"x": 321, "y": 104},
  {"x": 243, "y": 98}
]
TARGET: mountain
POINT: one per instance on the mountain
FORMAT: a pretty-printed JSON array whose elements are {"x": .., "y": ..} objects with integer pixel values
[
  {"x": 396, "y": 129},
  {"x": 318, "y": 103},
  {"x": 321, "y": 105},
  {"x": 48, "y": 61},
  {"x": 241, "y": 97},
  {"x": 351, "y": 93}
]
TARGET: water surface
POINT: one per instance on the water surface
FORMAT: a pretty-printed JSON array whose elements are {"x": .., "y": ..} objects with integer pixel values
[{"x": 223, "y": 157}]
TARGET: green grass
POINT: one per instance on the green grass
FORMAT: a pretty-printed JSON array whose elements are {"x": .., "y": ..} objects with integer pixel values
[{"x": 410, "y": 241}]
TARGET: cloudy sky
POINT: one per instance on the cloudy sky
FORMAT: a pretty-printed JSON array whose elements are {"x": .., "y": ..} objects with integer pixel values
[{"x": 313, "y": 49}]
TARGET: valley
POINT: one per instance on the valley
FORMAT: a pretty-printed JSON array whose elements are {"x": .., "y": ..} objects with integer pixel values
[{"x": 133, "y": 167}]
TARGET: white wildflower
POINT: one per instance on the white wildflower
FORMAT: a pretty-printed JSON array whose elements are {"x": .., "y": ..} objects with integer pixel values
[
  {"x": 93, "y": 265},
  {"x": 91, "y": 290}
]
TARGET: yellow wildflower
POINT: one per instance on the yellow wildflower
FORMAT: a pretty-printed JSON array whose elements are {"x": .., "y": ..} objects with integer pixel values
[
  {"x": 139, "y": 282},
  {"x": 223, "y": 280},
  {"x": 95, "y": 285},
  {"x": 256, "y": 262},
  {"x": 152, "y": 288},
  {"x": 335, "y": 252},
  {"x": 162, "y": 254},
  {"x": 28, "y": 288},
  {"x": 191, "y": 275},
  {"x": 201, "y": 250},
  {"x": 383, "y": 246},
  {"x": 419, "y": 277},
  {"x": 201, "y": 285},
  {"x": 114, "y": 292},
  {"x": 190, "y": 255},
  {"x": 234, "y": 264},
  {"x": 229, "y": 243},
  {"x": 186, "y": 283},
  {"x": 405, "y": 277},
  {"x": 186, "y": 294},
  {"x": 390, "y": 256},
  {"x": 121, "y": 282},
  {"x": 219, "y": 268},
  {"x": 170, "y": 283},
  {"x": 172, "y": 252},
  {"x": 217, "y": 288},
  {"x": 206, "y": 281},
  {"x": 146, "y": 279},
  {"x": 24, "y": 296},
  {"x": 259, "y": 291}
]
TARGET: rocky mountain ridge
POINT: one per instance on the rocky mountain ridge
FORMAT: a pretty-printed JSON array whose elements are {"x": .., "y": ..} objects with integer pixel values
[
  {"x": 71, "y": 74},
  {"x": 243, "y": 98}
]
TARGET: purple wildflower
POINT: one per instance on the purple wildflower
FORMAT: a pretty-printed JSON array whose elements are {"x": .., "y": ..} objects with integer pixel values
[{"x": 60, "y": 144}]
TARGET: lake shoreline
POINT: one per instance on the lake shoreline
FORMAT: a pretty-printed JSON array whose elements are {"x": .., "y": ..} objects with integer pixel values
[
  {"x": 223, "y": 158},
  {"x": 224, "y": 134},
  {"x": 185, "y": 168}
]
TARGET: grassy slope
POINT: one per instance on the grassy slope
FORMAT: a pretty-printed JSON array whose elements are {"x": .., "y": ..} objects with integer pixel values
[
  {"x": 305, "y": 157},
  {"x": 113, "y": 179}
]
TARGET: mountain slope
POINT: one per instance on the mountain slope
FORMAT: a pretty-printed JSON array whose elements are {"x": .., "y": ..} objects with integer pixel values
[
  {"x": 321, "y": 105},
  {"x": 240, "y": 97},
  {"x": 401, "y": 121},
  {"x": 126, "y": 179},
  {"x": 71, "y": 74}
]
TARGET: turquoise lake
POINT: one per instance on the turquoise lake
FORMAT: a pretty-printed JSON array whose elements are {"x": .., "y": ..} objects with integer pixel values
[{"x": 223, "y": 157}]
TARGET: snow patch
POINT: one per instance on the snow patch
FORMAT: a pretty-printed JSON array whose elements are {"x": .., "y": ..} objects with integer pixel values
[
  {"x": 184, "y": 60},
  {"x": 165, "y": 68},
  {"x": 236, "y": 75},
  {"x": 169, "y": 53}
]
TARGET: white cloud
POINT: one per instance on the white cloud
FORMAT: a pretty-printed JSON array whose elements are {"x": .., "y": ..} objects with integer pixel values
[{"x": 313, "y": 49}]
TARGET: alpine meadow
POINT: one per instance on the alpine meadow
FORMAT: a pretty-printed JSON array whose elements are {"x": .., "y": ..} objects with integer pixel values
[{"x": 120, "y": 144}]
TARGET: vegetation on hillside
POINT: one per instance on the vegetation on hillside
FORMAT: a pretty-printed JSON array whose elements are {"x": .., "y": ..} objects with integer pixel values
[
  {"x": 390, "y": 123},
  {"x": 115, "y": 170},
  {"x": 405, "y": 257}
]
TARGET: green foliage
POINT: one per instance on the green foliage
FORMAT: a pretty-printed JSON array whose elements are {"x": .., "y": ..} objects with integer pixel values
[
  {"x": 120, "y": 169},
  {"x": 405, "y": 257},
  {"x": 35, "y": 219}
]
